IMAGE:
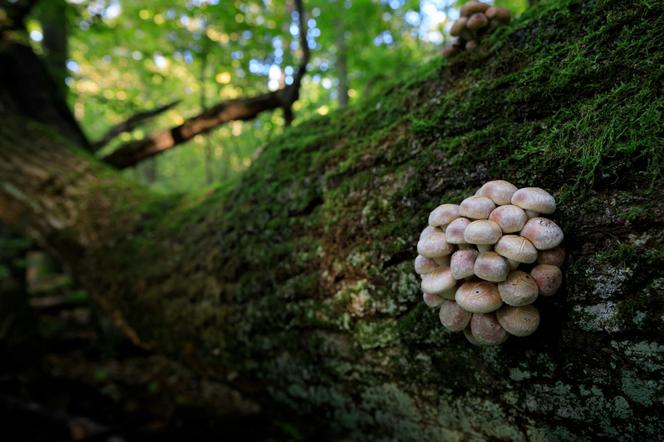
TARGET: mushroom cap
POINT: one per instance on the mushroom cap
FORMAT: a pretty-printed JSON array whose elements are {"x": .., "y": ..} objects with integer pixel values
[
  {"x": 516, "y": 248},
  {"x": 463, "y": 263},
  {"x": 543, "y": 233},
  {"x": 443, "y": 214},
  {"x": 443, "y": 261},
  {"x": 450, "y": 51},
  {"x": 518, "y": 289},
  {"x": 548, "y": 278},
  {"x": 509, "y": 217},
  {"x": 519, "y": 321},
  {"x": 425, "y": 265},
  {"x": 469, "y": 335},
  {"x": 499, "y": 191},
  {"x": 555, "y": 256},
  {"x": 478, "y": 297},
  {"x": 531, "y": 214},
  {"x": 472, "y": 7},
  {"x": 438, "y": 281},
  {"x": 458, "y": 26},
  {"x": 477, "y": 21},
  {"x": 476, "y": 207},
  {"x": 428, "y": 230},
  {"x": 513, "y": 264},
  {"x": 434, "y": 245},
  {"x": 471, "y": 44},
  {"x": 455, "y": 229},
  {"x": 453, "y": 317},
  {"x": 432, "y": 300},
  {"x": 486, "y": 329},
  {"x": 501, "y": 15},
  {"x": 482, "y": 232},
  {"x": 490, "y": 266},
  {"x": 534, "y": 198},
  {"x": 449, "y": 293}
]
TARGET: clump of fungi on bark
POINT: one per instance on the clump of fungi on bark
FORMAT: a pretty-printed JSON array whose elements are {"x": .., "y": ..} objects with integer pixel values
[
  {"x": 477, "y": 19},
  {"x": 485, "y": 261}
]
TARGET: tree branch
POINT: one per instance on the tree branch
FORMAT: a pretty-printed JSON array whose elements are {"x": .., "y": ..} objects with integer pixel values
[
  {"x": 241, "y": 109},
  {"x": 132, "y": 123}
]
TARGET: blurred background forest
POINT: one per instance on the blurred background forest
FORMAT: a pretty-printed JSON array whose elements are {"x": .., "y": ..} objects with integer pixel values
[{"x": 116, "y": 58}]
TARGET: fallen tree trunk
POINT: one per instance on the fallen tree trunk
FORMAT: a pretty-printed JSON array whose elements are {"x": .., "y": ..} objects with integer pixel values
[{"x": 296, "y": 284}]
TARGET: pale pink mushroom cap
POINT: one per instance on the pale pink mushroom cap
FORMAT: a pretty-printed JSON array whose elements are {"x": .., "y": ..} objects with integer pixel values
[
  {"x": 510, "y": 218},
  {"x": 438, "y": 281},
  {"x": 478, "y": 297},
  {"x": 463, "y": 263},
  {"x": 443, "y": 214},
  {"x": 548, "y": 278},
  {"x": 535, "y": 199},
  {"x": 518, "y": 289},
  {"x": 425, "y": 265},
  {"x": 483, "y": 232},
  {"x": 543, "y": 233},
  {"x": 519, "y": 321},
  {"x": 499, "y": 191},
  {"x": 516, "y": 248},
  {"x": 487, "y": 330},
  {"x": 476, "y": 207},
  {"x": 490, "y": 266},
  {"x": 455, "y": 231},
  {"x": 434, "y": 245},
  {"x": 453, "y": 317}
]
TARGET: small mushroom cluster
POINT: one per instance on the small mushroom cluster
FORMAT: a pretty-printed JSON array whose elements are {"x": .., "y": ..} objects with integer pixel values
[
  {"x": 477, "y": 19},
  {"x": 485, "y": 261}
]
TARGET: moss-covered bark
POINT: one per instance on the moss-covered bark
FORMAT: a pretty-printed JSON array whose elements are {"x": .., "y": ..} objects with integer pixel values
[{"x": 296, "y": 282}]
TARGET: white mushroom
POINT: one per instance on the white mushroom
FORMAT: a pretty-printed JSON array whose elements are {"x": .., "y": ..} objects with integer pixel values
[
  {"x": 478, "y": 297},
  {"x": 490, "y": 266},
  {"x": 443, "y": 215},
  {"x": 462, "y": 263},
  {"x": 486, "y": 329},
  {"x": 434, "y": 245},
  {"x": 453, "y": 317},
  {"x": 518, "y": 289},
  {"x": 483, "y": 232},
  {"x": 455, "y": 230},
  {"x": 510, "y": 218},
  {"x": 425, "y": 265},
  {"x": 499, "y": 191},
  {"x": 432, "y": 300},
  {"x": 516, "y": 248},
  {"x": 548, "y": 278},
  {"x": 543, "y": 233},
  {"x": 476, "y": 207},
  {"x": 534, "y": 198},
  {"x": 438, "y": 281},
  {"x": 519, "y": 321}
]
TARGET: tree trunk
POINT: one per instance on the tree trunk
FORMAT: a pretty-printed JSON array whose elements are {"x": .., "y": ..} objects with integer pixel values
[
  {"x": 296, "y": 285},
  {"x": 53, "y": 18}
]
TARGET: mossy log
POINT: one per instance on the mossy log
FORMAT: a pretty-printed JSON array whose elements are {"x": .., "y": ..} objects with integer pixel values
[{"x": 295, "y": 283}]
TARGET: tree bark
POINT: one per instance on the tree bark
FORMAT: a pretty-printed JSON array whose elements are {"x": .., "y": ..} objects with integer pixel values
[{"x": 296, "y": 285}]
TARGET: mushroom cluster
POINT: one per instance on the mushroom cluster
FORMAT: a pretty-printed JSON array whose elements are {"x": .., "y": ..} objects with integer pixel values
[
  {"x": 485, "y": 261},
  {"x": 476, "y": 20}
]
